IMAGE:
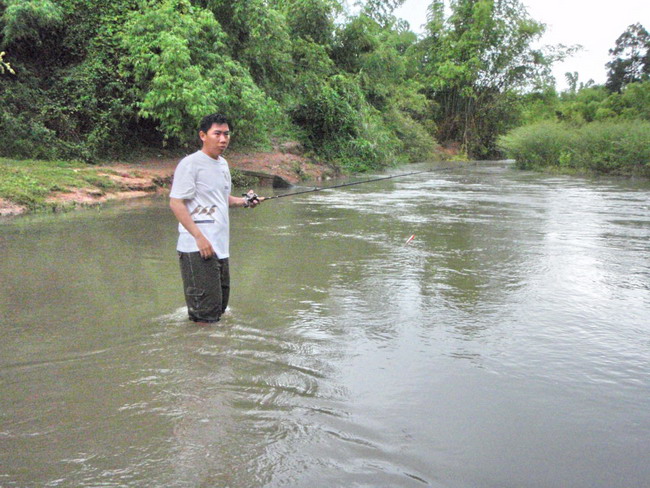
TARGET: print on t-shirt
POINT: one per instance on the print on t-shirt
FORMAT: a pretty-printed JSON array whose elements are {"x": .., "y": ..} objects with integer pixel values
[{"x": 200, "y": 213}]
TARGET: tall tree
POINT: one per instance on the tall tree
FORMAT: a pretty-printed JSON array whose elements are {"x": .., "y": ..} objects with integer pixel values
[
  {"x": 630, "y": 58},
  {"x": 474, "y": 61}
]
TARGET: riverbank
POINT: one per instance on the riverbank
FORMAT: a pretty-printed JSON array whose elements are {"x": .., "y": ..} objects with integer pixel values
[{"x": 58, "y": 186}]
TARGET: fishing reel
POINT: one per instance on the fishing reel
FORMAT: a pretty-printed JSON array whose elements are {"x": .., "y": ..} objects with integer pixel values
[{"x": 250, "y": 197}]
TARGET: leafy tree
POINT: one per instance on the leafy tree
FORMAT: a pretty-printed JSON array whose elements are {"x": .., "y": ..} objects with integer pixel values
[
  {"x": 258, "y": 37},
  {"x": 630, "y": 58},
  {"x": 376, "y": 56},
  {"x": 178, "y": 57},
  {"x": 381, "y": 11},
  {"x": 633, "y": 102},
  {"x": 311, "y": 19},
  {"x": 474, "y": 62},
  {"x": 539, "y": 105},
  {"x": 572, "y": 80},
  {"x": 362, "y": 47},
  {"x": 94, "y": 76},
  {"x": 582, "y": 105}
]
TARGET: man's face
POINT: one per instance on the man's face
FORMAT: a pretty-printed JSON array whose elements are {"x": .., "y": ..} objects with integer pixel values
[{"x": 216, "y": 140}]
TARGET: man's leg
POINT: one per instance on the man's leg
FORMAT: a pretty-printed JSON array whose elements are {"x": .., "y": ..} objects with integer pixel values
[
  {"x": 225, "y": 283},
  {"x": 202, "y": 283}
]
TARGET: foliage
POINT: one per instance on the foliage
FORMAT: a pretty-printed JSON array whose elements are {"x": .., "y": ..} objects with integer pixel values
[
  {"x": 630, "y": 58},
  {"x": 29, "y": 21},
  {"x": 96, "y": 79},
  {"x": 538, "y": 145},
  {"x": 241, "y": 180},
  {"x": 590, "y": 127},
  {"x": 311, "y": 20},
  {"x": 258, "y": 37},
  {"x": 616, "y": 147},
  {"x": 381, "y": 10},
  {"x": 581, "y": 106},
  {"x": 66, "y": 100},
  {"x": 588, "y": 104},
  {"x": 538, "y": 105},
  {"x": 177, "y": 56},
  {"x": 331, "y": 114},
  {"x": 473, "y": 62},
  {"x": 632, "y": 103}
]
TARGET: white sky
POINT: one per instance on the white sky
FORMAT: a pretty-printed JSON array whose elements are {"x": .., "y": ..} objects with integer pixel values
[{"x": 595, "y": 24}]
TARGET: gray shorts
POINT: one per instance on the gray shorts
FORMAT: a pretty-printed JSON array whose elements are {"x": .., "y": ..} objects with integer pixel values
[{"x": 207, "y": 286}]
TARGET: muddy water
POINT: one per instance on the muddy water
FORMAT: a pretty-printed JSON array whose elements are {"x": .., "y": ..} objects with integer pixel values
[{"x": 505, "y": 346}]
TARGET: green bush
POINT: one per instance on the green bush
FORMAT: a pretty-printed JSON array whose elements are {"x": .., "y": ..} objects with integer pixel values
[
  {"x": 25, "y": 137},
  {"x": 612, "y": 147},
  {"x": 539, "y": 145},
  {"x": 30, "y": 20},
  {"x": 615, "y": 146}
]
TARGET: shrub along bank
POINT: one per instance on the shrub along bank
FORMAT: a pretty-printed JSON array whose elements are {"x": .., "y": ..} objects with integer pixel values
[{"x": 616, "y": 147}]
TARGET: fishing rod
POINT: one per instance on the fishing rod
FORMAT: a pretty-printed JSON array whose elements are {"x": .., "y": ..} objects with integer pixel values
[{"x": 252, "y": 196}]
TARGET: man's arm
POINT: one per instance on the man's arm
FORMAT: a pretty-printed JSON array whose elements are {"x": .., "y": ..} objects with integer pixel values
[
  {"x": 235, "y": 201},
  {"x": 183, "y": 216},
  {"x": 240, "y": 202}
]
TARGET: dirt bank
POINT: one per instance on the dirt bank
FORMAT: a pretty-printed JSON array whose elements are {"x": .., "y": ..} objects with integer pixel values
[{"x": 154, "y": 174}]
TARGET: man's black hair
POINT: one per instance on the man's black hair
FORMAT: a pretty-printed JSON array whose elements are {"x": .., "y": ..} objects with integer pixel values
[{"x": 208, "y": 120}]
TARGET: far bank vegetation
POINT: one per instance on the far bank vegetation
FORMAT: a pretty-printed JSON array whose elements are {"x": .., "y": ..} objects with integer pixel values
[{"x": 91, "y": 80}]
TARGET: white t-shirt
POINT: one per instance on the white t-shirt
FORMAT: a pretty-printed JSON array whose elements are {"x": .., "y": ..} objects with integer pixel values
[{"x": 204, "y": 184}]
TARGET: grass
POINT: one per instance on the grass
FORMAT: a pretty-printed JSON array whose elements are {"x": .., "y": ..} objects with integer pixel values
[
  {"x": 30, "y": 182},
  {"x": 618, "y": 147}
]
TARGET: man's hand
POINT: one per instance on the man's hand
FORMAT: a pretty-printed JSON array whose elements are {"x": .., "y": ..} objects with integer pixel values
[
  {"x": 251, "y": 199},
  {"x": 183, "y": 216},
  {"x": 205, "y": 248}
]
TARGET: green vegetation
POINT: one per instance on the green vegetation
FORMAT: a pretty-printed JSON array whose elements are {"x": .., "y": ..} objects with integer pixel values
[
  {"x": 90, "y": 80},
  {"x": 590, "y": 129},
  {"x": 611, "y": 147},
  {"x": 29, "y": 182},
  {"x": 601, "y": 129},
  {"x": 241, "y": 180},
  {"x": 95, "y": 80}
]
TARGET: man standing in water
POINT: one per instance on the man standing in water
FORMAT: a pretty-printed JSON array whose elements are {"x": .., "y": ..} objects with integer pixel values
[{"x": 200, "y": 198}]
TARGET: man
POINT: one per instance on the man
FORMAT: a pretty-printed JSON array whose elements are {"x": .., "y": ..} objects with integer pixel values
[{"x": 200, "y": 198}]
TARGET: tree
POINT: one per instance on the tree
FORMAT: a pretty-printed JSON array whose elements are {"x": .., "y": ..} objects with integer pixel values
[
  {"x": 473, "y": 64},
  {"x": 178, "y": 59},
  {"x": 258, "y": 37},
  {"x": 630, "y": 58},
  {"x": 30, "y": 21},
  {"x": 572, "y": 81}
]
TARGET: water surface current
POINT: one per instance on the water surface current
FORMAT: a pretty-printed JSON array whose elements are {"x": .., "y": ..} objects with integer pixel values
[{"x": 507, "y": 345}]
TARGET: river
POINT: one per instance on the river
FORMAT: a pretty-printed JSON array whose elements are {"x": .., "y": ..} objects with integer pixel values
[{"x": 507, "y": 345}]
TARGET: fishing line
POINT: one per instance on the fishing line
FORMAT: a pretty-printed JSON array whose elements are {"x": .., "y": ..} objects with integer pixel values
[{"x": 322, "y": 188}]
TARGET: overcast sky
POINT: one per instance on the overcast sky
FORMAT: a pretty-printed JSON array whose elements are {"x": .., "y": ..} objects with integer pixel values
[{"x": 595, "y": 24}]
